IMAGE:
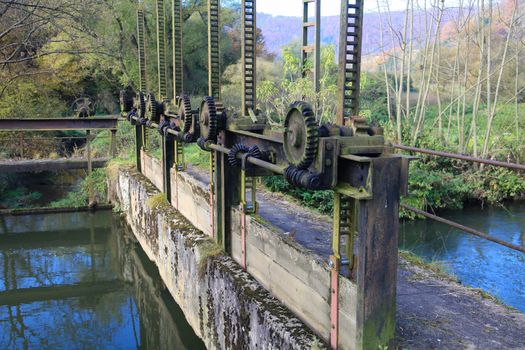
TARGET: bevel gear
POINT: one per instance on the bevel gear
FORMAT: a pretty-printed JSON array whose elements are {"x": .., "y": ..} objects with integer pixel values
[{"x": 301, "y": 136}]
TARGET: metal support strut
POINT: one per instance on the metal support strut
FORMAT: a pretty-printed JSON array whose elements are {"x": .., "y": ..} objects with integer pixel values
[
  {"x": 161, "y": 50},
  {"x": 314, "y": 48},
  {"x": 178, "y": 63},
  {"x": 249, "y": 40},
  {"x": 247, "y": 184},
  {"x": 214, "y": 58},
  {"x": 349, "y": 59},
  {"x": 344, "y": 226}
]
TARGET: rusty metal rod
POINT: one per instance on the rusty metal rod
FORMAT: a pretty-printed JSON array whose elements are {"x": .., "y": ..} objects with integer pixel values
[
  {"x": 461, "y": 157},
  {"x": 261, "y": 163},
  {"x": 28, "y": 139},
  {"x": 464, "y": 228}
]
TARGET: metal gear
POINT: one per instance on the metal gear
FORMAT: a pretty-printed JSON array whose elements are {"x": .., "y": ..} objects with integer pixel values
[
  {"x": 83, "y": 107},
  {"x": 140, "y": 105},
  {"x": 185, "y": 112},
  {"x": 301, "y": 136},
  {"x": 153, "y": 108},
  {"x": 208, "y": 121},
  {"x": 126, "y": 99}
]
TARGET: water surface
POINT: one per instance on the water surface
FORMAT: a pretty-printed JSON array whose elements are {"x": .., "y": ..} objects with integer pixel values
[
  {"x": 79, "y": 281},
  {"x": 475, "y": 261}
]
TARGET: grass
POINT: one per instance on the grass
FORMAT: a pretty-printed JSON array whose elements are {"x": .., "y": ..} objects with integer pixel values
[
  {"x": 196, "y": 157},
  {"x": 436, "y": 267}
]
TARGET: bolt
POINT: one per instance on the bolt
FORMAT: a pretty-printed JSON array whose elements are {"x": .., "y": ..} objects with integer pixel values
[
  {"x": 328, "y": 162},
  {"x": 329, "y": 147},
  {"x": 331, "y": 264}
]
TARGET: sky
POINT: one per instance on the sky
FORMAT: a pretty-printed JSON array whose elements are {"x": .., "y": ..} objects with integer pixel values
[{"x": 328, "y": 7}]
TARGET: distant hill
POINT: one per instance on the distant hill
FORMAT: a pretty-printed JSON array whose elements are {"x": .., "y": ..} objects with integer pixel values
[{"x": 281, "y": 30}]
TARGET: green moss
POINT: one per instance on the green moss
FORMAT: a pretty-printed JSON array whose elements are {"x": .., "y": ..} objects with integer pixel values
[
  {"x": 208, "y": 250},
  {"x": 157, "y": 201}
]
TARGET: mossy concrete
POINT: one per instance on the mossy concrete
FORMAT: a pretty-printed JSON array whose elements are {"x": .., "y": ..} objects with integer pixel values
[{"x": 226, "y": 307}]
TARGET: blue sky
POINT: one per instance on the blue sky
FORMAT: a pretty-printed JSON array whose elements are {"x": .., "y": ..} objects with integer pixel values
[{"x": 328, "y": 7}]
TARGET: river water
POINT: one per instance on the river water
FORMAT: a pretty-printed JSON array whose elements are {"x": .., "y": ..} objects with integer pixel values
[
  {"x": 474, "y": 261},
  {"x": 79, "y": 281}
]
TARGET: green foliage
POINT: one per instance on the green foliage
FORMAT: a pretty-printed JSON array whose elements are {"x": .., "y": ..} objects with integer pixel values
[
  {"x": 196, "y": 157},
  {"x": 320, "y": 200},
  {"x": 80, "y": 197},
  {"x": 18, "y": 197}
]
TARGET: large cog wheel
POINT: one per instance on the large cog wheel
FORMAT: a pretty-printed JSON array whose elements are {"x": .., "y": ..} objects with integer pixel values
[
  {"x": 301, "y": 136},
  {"x": 208, "y": 120}
]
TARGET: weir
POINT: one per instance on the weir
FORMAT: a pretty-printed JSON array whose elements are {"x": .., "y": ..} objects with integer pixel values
[{"x": 348, "y": 298}]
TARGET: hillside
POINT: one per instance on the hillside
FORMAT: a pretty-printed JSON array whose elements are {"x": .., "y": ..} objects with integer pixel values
[{"x": 281, "y": 30}]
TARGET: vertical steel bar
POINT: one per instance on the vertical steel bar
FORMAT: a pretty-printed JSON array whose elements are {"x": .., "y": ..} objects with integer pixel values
[
  {"x": 214, "y": 58},
  {"x": 248, "y": 55},
  {"x": 161, "y": 50},
  {"x": 350, "y": 41},
  {"x": 178, "y": 63},
  {"x": 90, "y": 166},
  {"x": 335, "y": 262},
  {"x": 167, "y": 163},
  {"x": 317, "y": 60},
  {"x": 113, "y": 143},
  {"x": 138, "y": 146},
  {"x": 142, "y": 50}
]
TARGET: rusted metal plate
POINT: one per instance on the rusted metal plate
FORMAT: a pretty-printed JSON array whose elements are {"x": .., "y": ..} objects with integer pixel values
[{"x": 44, "y": 124}]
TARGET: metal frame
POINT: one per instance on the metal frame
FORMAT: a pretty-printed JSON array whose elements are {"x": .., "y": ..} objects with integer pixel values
[
  {"x": 349, "y": 158},
  {"x": 314, "y": 48}
]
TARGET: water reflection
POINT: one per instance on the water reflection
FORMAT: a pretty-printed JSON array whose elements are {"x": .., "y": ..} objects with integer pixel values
[
  {"x": 476, "y": 262},
  {"x": 76, "y": 281}
]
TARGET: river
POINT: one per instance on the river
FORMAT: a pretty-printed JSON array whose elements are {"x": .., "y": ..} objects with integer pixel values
[
  {"x": 80, "y": 281},
  {"x": 476, "y": 262}
]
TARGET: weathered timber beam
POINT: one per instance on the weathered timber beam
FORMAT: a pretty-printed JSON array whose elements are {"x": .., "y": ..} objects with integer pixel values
[
  {"x": 49, "y": 124},
  {"x": 39, "y": 165},
  {"x": 29, "y": 295}
]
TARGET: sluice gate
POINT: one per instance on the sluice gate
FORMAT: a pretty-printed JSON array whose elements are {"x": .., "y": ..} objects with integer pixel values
[{"x": 350, "y": 303}]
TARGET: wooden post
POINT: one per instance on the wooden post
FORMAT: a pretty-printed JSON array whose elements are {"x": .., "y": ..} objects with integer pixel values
[
  {"x": 138, "y": 146},
  {"x": 168, "y": 158},
  {"x": 113, "y": 143},
  {"x": 377, "y": 256},
  {"x": 90, "y": 168}
]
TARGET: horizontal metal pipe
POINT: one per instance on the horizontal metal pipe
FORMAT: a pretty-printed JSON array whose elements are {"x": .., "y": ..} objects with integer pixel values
[
  {"x": 261, "y": 163},
  {"x": 461, "y": 157},
  {"x": 174, "y": 132},
  {"x": 464, "y": 228}
]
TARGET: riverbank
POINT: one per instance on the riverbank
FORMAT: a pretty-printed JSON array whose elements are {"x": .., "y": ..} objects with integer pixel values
[{"x": 433, "y": 311}]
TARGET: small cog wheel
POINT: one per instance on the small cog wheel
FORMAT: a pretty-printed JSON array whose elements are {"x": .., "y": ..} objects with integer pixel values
[
  {"x": 185, "y": 113},
  {"x": 140, "y": 105},
  {"x": 208, "y": 120},
  {"x": 301, "y": 136},
  {"x": 126, "y": 99},
  {"x": 153, "y": 108}
]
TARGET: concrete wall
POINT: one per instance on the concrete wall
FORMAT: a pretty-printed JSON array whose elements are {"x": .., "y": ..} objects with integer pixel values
[
  {"x": 293, "y": 274},
  {"x": 225, "y": 306}
]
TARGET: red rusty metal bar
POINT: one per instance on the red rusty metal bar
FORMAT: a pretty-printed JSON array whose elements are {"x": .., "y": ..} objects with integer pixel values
[
  {"x": 50, "y": 124},
  {"x": 464, "y": 228},
  {"x": 461, "y": 157}
]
